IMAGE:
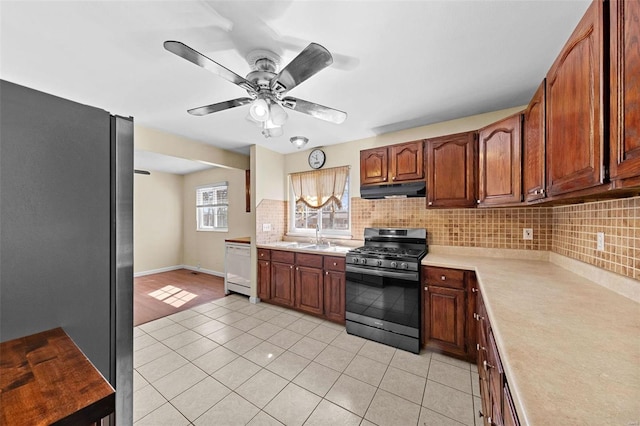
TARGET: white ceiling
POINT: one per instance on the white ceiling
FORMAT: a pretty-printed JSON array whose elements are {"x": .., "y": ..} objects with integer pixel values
[{"x": 398, "y": 64}]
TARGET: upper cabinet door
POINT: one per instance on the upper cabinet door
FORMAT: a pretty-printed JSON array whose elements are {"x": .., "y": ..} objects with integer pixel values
[
  {"x": 625, "y": 92},
  {"x": 533, "y": 150},
  {"x": 406, "y": 161},
  {"x": 500, "y": 162},
  {"x": 373, "y": 166},
  {"x": 575, "y": 140},
  {"x": 451, "y": 170}
]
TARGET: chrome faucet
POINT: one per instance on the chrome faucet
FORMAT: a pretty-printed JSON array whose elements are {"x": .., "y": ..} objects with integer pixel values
[{"x": 317, "y": 233}]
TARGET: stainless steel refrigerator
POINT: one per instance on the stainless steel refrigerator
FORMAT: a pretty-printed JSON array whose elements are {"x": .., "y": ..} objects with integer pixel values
[{"x": 66, "y": 229}]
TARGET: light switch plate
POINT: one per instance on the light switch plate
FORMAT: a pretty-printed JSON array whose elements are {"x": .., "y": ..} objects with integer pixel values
[
  {"x": 527, "y": 233},
  {"x": 266, "y": 227},
  {"x": 600, "y": 241}
]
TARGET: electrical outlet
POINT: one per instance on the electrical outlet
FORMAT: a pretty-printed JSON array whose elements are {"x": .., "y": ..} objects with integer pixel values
[
  {"x": 266, "y": 227},
  {"x": 600, "y": 241},
  {"x": 527, "y": 233}
]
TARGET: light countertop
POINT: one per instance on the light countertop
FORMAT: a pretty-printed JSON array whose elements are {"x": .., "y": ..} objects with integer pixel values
[
  {"x": 239, "y": 240},
  {"x": 570, "y": 347}
]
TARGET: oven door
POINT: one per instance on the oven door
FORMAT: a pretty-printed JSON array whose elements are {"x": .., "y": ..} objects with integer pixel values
[{"x": 390, "y": 297}]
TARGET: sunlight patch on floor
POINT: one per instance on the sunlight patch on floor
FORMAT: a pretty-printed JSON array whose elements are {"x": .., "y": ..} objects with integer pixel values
[{"x": 174, "y": 296}]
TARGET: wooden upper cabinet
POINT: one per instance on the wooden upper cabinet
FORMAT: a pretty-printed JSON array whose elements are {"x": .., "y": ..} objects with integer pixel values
[
  {"x": 392, "y": 164},
  {"x": 451, "y": 170},
  {"x": 625, "y": 92},
  {"x": 533, "y": 147},
  {"x": 575, "y": 140},
  {"x": 374, "y": 166},
  {"x": 406, "y": 161},
  {"x": 500, "y": 167}
]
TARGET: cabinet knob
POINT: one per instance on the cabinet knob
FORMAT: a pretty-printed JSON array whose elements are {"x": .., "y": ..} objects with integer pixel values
[
  {"x": 430, "y": 203},
  {"x": 326, "y": 273},
  {"x": 393, "y": 178},
  {"x": 291, "y": 267},
  {"x": 443, "y": 278},
  {"x": 477, "y": 201},
  {"x": 474, "y": 290},
  {"x": 297, "y": 269},
  {"x": 426, "y": 288},
  {"x": 335, "y": 264},
  {"x": 487, "y": 366},
  {"x": 384, "y": 178},
  {"x": 261, "y": 254},
  {"x": 267, "y": 263}
]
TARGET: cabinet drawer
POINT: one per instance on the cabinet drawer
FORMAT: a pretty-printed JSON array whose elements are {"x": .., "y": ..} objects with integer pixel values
[
  {"x": 311, "y": 260},
  {"x": 282, "y": 256},
  {"x": 334, "y": 263},
  {"x": 444, "y": 277},
  {"x": 264, "y": 254}
]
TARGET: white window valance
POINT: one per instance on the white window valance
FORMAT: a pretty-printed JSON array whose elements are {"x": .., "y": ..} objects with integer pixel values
[{"x": 317, "y": 188}]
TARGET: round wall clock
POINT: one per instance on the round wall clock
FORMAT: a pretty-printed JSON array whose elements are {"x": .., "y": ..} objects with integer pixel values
[{"x": 317, "y": 158}]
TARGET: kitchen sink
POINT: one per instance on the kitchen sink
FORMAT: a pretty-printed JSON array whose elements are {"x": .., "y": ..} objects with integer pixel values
[{"x": 312, "y": 246}]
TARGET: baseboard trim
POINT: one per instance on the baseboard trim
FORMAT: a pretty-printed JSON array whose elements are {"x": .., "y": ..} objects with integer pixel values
[
  {"x": 157, "y": 271},
  {"x": 176, "y": 267},
  {"x": 204, "y": 271}
]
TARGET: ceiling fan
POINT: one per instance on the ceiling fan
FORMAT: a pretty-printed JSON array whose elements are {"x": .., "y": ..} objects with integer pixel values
[{"x": 267, "y": 87}]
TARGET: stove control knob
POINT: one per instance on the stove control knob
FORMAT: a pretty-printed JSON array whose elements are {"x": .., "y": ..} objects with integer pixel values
[
  {"x": 364, "y": 261},
  {"x": 379, "y": 262},
  {"x": 404, "y": 265},
  {"x": 354, "y": 260},
  {"x": 394, "y": 264}
]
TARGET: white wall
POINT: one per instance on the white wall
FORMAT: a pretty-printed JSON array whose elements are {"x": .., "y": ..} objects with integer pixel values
[
  {"x": 206, "y": 248},
  {"x": 157, "y": 221},
  {"x": 269, "y": 170}
]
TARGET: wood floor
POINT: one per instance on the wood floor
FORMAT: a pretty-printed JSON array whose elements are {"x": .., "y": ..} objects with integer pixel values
[{"x": 158, "y": 295}]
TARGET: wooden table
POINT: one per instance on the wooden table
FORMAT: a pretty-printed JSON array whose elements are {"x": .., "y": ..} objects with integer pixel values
[{"x": 45, "y": 379}]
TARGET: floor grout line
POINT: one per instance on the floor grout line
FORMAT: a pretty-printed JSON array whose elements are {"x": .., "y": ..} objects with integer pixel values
[{"x": 329, "y": 343}]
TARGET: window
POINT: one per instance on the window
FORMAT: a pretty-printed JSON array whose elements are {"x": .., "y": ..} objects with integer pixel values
[
  {"x": 212, "y": 206},
  {"x": 321, "y": 199}
]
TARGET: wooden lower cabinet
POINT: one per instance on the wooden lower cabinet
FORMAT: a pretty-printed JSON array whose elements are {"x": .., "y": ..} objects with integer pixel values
[
  {"x": 311, "y": 283},
  {"x": 497, "y": 403},
  {"x": 444, "y": 319},
  {"x": 264, "y": 274},
  {"x": 334, "y": 288},
  {"x": 282, "y": 283},
  {"x": 309, "y": 291},
  {"x": 445, "y": 311}
]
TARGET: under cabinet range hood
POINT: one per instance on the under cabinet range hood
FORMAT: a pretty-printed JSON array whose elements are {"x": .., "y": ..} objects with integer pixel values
[{"x": 399, "y": 190}]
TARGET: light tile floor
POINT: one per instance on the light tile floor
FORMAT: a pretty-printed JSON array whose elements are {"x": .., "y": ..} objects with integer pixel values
[{"x": 231, "y": 362}]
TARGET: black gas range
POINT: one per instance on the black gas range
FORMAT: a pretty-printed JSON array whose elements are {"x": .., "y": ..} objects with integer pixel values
[{"x": 383, "y": 286}]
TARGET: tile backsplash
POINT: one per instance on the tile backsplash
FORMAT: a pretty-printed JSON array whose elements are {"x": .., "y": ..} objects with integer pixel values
[
  {"x": 567, "y": 230},
  {"x": 491, "y": 228},
  {"x": 274, "y": 213},
  {"x": 575, "y": 228}
]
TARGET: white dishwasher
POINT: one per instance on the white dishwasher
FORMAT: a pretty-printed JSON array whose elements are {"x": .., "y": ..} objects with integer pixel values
[{"x": 237, "y": 265}]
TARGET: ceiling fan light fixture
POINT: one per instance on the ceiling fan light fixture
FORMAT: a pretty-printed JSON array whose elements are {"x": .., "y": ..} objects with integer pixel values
[
  {"x": 277, "y": 114},
  {"x": 259, "y": 110},
  {"x": 299, "y": 141}
]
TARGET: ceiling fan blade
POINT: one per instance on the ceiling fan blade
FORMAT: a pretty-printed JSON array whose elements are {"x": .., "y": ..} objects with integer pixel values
[
  {"x": 199, "y": 59},
  {"x": 314, "y": 110},
  {"x": 220, "y": 106},
  {"x": 311, "y": 60}
]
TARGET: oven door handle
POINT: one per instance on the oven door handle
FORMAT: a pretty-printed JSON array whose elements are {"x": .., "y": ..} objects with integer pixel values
[{"x": 410, "y": 276}]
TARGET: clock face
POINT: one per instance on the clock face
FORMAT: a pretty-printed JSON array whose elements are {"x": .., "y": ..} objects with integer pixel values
[{"x": 317, "y": 158}]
